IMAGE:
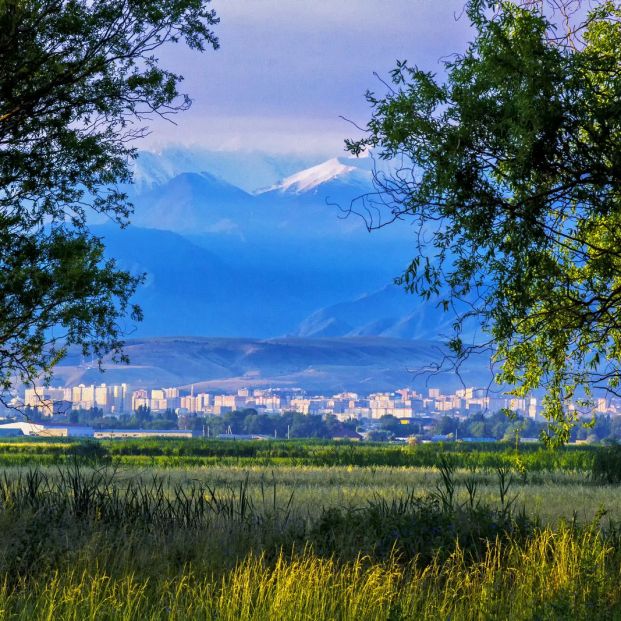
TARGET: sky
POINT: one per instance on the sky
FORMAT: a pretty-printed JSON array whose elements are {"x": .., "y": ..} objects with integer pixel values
[{"x": 287, "y": 70}]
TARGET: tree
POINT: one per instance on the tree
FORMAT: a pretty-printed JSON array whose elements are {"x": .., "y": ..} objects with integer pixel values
[
  {"x": 380, "y": 435},
  {"x": 307, "y": 426},
  {"x": 260, "y": 424},
  {"x": 142, "y": 415},
  {"x": 78, "y": 80},
  {"x": 391, "y": 423},
  {"x": 510, "y": 167}
]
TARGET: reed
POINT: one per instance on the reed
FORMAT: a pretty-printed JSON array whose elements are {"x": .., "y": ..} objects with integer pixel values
[
  {"x": 94, "y": 542},
  {"x": 563, "y": 574}
]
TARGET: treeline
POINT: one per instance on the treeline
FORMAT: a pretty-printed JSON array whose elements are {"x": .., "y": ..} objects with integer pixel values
[
  {"x": 141, "y": 418},
  {"x": 287, "y": 425},
  {"x": 496, "y": 426},
  {"x": 239, "y": 422},
  {"x": 604, "y": 428}
]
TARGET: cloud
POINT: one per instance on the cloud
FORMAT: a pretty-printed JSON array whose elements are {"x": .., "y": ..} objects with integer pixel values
[{"x": 287, "y": 69}]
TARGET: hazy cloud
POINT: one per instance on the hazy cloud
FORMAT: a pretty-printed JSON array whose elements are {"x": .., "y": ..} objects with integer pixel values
[{"x": 288, "y": 69}]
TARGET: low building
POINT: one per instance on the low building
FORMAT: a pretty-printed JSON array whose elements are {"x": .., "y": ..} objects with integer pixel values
[
  {"x": 241, "y": 436},
  {"x": 109, "y": 434},
  {"x": 45, "y": 430},
  {"x": 346, "y": 434}
]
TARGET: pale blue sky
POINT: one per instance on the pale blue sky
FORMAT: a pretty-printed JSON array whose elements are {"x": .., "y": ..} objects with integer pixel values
[{"x": 287, "y": 69}]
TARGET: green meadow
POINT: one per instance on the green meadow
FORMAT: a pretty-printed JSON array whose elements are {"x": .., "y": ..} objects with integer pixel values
[{"x": 147, "y": 529}]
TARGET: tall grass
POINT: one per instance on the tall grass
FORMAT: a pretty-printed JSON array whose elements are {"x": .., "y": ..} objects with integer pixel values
[
  {"x": 96, "y": 501},
  {"x": 553, "y": 575},
  {"x": 91, "y": 543}
]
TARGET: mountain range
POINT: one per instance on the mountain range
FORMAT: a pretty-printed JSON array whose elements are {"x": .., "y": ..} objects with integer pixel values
[
  {"x": 312, "y": 203},
  {"x": 277, "y": 255},
  {"x": 247, "y": 170}
]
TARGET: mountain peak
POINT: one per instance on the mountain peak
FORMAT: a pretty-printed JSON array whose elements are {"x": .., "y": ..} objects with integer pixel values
[{"x": 307, "y": 180}]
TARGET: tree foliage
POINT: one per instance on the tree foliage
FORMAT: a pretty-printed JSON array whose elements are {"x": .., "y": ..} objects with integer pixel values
[
  {"x": 510, "y": 166},
  {"x": 78, "y": 81}
]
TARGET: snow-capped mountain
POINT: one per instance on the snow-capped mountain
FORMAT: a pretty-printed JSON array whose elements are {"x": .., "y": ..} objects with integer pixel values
[
  {"x": 247, "y": 170},
  {"x": 150, "y": 171},
  {"x": 312, "y": 202},
  {"x": 290, "y": 259},
  {"x": 350, "y": 172}
]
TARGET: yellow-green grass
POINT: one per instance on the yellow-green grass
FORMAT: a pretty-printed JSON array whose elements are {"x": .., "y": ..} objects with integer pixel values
[
  {"x": 548, "y": 496},
  {"x": 260, "y": 565},
  {"x": 554, "y": 575}
]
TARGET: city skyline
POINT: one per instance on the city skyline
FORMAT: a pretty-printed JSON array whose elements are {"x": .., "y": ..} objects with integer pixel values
[{"x": 402, "y": 403}]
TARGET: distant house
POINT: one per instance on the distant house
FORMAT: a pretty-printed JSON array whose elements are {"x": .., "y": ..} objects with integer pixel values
[
  {"x": 346, "y": 434},
  {"x": 241, "y": 436},
  {"x": 45, "y": 430},
  {"x": 442, "y": 437},
  {"x": 110, "y": 434}
]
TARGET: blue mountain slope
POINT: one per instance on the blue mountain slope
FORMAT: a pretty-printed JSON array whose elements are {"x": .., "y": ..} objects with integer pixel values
[
  {"x": 220, "y": 286},
  {"x": 388, "y": 312},
  {"x": 193, "y": 202},
  {"x": 184, "y": 285}
]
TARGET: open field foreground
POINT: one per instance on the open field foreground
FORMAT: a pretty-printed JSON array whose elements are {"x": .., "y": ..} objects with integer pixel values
[{"x": 534, "y": 535}]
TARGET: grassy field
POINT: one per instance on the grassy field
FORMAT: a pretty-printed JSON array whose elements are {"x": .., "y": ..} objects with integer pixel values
[
  {"x": 167, "y": 453},
  {"x": 90, "y": 536}
]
